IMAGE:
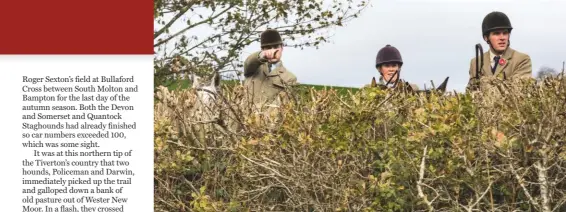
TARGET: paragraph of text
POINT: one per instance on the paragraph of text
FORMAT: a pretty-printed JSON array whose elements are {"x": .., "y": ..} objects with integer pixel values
[{"x": 74, "y": 132}]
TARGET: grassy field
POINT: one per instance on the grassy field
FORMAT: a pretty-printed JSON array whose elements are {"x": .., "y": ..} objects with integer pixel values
[
  {"x": 341, "y": 90},
  {"x": 183, "y": 84}
]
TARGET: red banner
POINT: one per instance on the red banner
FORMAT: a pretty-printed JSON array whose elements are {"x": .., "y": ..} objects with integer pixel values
[{"x": 76, "y": 27}]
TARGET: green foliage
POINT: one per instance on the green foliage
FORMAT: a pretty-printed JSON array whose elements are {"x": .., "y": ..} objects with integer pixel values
[
  {"x": 202, "y": 36},
  {"x": 371, "y": 150}
]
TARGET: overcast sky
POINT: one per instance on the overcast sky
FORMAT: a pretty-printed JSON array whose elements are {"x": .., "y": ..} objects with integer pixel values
[{"x": 436, "y": 40}]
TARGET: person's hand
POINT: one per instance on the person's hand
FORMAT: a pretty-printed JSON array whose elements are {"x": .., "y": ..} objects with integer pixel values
[{"x": 271, "y": 55}]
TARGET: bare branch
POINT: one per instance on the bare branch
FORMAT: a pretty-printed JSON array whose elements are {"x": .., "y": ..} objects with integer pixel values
[
  {"x": 164, "y": 28},
  {"x": 420, "y": 182},
  {"x": 522, "y": 184},
  {"x": 193, "y": 26}
]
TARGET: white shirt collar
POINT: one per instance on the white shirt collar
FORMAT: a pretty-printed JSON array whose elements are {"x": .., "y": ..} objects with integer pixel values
[
  {"x": 274, "y": 65},
  {"x": 492, "y": 56}
]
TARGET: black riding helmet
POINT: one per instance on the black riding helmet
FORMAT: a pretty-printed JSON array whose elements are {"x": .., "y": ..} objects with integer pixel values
[
  {"x": 270, "y": 37},
  {"x": 494, "y": 21},
  {"x": 388, "y": 54}
]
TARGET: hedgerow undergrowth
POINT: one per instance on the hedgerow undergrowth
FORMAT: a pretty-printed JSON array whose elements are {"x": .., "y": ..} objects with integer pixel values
[{"x": 498, "y": 149}]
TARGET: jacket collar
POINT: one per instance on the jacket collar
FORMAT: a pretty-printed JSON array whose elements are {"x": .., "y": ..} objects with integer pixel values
[
  {"x": 488, "y": 57},
  {"x": 507, "y": 54}
]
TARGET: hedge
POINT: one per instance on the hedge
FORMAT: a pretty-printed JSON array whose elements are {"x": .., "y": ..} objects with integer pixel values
[{"x": 498, "y": 149}]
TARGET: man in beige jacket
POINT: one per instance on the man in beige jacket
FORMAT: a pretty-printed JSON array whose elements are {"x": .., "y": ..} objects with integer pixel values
[
  {"x": 265, "y": 75},
  {"x": 500, "y": 61}
]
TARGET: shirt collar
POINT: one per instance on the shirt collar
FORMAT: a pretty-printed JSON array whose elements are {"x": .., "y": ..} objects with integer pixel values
[
  {"x": 492, "y": 55},
  {"x": 274, "y": 65}
]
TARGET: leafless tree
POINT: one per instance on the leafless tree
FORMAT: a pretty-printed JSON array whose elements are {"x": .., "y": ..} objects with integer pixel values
[{"x": 546, "y": 71}]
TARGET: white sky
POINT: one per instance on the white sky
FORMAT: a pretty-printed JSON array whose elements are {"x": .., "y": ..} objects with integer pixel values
[{"x": 436, "y": 40}]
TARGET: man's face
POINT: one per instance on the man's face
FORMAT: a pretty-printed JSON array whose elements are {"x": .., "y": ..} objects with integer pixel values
[
  {"x": 279, "y": 53},
  {"x": 499, "y": 39},
  {"x": 388, "y": 70}
]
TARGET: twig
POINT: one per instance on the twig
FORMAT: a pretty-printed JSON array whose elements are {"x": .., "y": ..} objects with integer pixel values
[
  {"x": 387, "y": 98},
  {"x": 420, "y": 182},
  {"x": 481, "y": 197},
  {"x": 268, "y": 168},
  {"x": 559, "y": 204},
  {"x": 544, "y": 190},
  {"x": 522, "y": 184},
  {"x": 192, "y": 26},
  {"x": 203, "y": 149},
  {"x": 272, "y": 161},
  {"x": 172, "y": 194},
  {"x": 181, "y": 13}
]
